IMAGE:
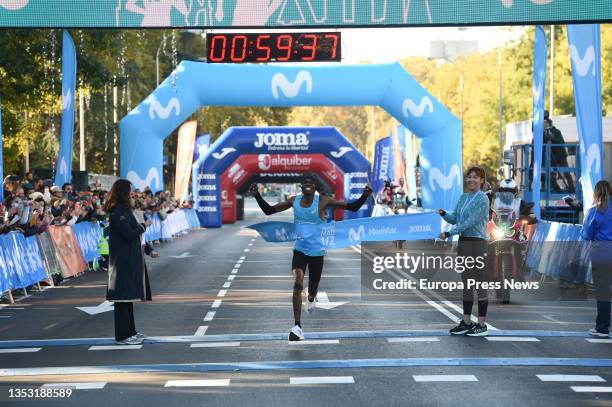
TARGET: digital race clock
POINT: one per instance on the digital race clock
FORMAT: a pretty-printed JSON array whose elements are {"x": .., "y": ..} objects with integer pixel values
[{"x": 273, "y": 47}]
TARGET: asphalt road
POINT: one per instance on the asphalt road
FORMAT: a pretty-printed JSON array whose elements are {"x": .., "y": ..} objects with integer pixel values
[{"x": 217, "y": 336}]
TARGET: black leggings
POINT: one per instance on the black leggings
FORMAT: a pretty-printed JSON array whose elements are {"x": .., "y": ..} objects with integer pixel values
[{"x": 473, "y": 246}]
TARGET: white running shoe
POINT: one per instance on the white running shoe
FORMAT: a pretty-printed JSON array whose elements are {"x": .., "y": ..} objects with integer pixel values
[
  {"x": 140, "y": 336},
  {"x": 311, "y": 305},
  {"x": 132, "y": 340},
  {"x": 296, "y": 334},
  {"x": 598, "y": 334}
]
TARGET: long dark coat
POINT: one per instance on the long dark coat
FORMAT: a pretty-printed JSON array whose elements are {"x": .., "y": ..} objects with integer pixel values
[{"x": 128, "y": 279}]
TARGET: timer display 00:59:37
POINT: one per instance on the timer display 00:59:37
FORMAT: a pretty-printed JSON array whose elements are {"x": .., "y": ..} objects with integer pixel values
[{"x": 274, "y": 47}]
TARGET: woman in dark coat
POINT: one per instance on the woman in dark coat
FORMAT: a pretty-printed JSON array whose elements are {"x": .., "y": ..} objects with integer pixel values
[{"x": 127, "y": 277}]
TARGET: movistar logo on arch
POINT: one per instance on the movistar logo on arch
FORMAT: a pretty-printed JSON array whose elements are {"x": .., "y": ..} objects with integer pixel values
[{"x": 282, "y": 141}]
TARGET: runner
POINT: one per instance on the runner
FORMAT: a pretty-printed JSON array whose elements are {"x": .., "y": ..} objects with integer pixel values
[{"x": 308, "y": 207}]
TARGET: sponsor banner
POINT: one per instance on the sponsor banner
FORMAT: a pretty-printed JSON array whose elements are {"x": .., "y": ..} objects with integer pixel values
[
  {"x": 539, "y": 95},
  {"x": 88, "y": 236},
  {"x": 153, "y": 231},
  {"x": 63, "y": 168},
  {"x": 334, "y": 235},
  {"x": 409, "y": 155},
  {"x": 399, "y": 165},
  {"x": 294, "y": 13},
  {"x": 21, "y": 261},
  {"x": 201, "y": 146},
  {"x": 67, "y": 249},
  {"x": 354, "y": 183},
  {"x": 208, "y": 202},
  {"x": 585, "y": 55},
  {"x": 383, "y": 164},
  {"x": 184, "y": 156}
]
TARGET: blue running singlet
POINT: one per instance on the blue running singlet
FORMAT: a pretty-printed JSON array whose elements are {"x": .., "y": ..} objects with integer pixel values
[{"x": 309, "y": 245}]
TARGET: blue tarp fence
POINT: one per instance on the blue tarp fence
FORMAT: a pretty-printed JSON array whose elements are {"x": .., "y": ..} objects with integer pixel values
[{"x": 21, "y": 259}]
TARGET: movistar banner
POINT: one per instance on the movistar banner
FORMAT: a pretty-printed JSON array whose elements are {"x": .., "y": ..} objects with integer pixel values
[
  {"x": 333, "y": 235},
  {"x": 383, "y": 164},
  {"x": 287, "y": 13},
  {"x": 63, "y": 166},
  {"x": 585, "y": 54},
  {"x": 539, "y": 94},
  {"x": 1, "y": 159}
]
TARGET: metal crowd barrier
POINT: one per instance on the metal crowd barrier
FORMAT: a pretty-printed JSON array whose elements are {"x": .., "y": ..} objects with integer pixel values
[
  {"x": 557, "y": 251},
  {"x": 25, "y": 262}
]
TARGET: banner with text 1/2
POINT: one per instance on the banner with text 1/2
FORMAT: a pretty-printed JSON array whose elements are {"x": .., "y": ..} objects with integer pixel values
[
  {"x": 63, "y": 166},
  {"x": 332, "y": 235},
  {"x": 585, "y": 55},
  {"x": 539, "y": 94},
  {"x": 184, "y": 157},
  {"x": 302, "y": 13}
]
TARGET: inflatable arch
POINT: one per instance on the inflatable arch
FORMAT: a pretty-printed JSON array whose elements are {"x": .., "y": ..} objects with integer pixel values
[
  {"x": 274, "y": 143},
  {"x": 196, "y": 84},
  {"x": 240, "y": 174}
]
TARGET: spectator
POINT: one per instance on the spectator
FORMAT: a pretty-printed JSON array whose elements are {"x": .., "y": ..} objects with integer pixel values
[
  {"x": 128, "y": 280},
  {"x": 597, "y": 227}
]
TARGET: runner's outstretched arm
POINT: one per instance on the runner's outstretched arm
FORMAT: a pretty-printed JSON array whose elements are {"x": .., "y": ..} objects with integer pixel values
[
  {"x": 351, "y": 206},
  {"x": 266, "y": 207}
]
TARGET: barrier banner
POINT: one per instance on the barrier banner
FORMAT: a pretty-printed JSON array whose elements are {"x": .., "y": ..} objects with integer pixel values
[
  {"x": 49, "y": 254},
  {"x": 153, "y": 231},
  {"x": 88, "y": 236},
  {"x": 585, "y": 52},
  {"x": 5, "y": 277},
  {"x": 425, "y": 225},
  {"x": 67, "y": 248},
  {"x": 1, "y": 160},
  {"x": 37, "y": 270}
]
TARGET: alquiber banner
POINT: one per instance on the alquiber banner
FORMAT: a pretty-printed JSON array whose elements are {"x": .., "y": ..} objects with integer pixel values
[
  {"x": 295, "y": 13},
  {"x": 184, "y": 158}
]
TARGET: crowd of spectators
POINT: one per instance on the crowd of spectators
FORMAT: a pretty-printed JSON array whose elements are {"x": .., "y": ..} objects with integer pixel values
[{"x": 30, "y": 205}]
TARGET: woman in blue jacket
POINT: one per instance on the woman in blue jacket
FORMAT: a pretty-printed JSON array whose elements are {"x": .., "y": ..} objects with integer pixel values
[
  {"x": 597, "y": 227},
  {"x": 470, "y": 218}
]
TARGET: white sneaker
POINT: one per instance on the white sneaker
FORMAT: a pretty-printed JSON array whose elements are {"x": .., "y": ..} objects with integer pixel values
[
  {"x": 132, "y": 340},
  {"x": 140, "y": 335},
  {"x": 311, "y": 305},
  {"x": 296, "y": 334},
  {"x": 596, "y": 333}
]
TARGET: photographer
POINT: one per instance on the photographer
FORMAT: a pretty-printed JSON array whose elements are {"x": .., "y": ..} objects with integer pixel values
[{"x": 558, "y": 154}]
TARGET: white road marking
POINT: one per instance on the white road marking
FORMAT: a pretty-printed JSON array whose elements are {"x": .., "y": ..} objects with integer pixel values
[
  {"x": 242, "y": 258},
  {"x": 20, "y": 350},
  {"x": 115, "y": 347},
  {"x": 316, "y": 342},
  {"x": 209, "y": 316},
  {"x": 237, "y": 265},
  {"x": 445, "y": 378},
  {"x": 222, "y": 293},
  {"x": 246, "y": 250},
  {"x": 250, "y": 244},
  {"x": 511, "y": 339},
  {"x": 216, "y": 304},
  {"x": 227, "y": 284},
  {"x": 602, "y": 340},
  {"x": 198, "y": 383},
  {"x": 231, "y": 278},
  {"x": 591, "y": 389},
  {"x": 322, "y": 380},
  {"x": 569, "y": 378},
  {"x": 201, "y": 331},
  {"x": 77, "y": 386},
  {"x": 234, "y": 271},
  {"x": 215, "y": 344},
  {"x": 417, "y": 339}
]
